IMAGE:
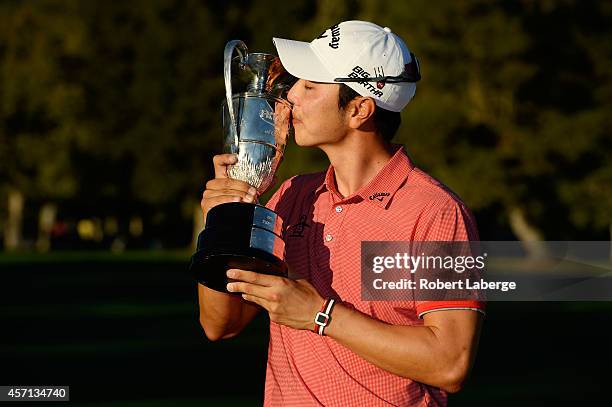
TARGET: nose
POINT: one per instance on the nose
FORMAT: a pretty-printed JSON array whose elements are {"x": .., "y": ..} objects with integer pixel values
[{"x": 292, "y": 95}]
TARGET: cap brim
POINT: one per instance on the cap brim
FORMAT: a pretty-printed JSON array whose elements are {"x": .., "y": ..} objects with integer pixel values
[{"x": 301, "y": 61}]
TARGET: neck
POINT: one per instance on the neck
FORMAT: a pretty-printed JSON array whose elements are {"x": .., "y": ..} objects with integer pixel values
[{"x": 356, "y": 160}]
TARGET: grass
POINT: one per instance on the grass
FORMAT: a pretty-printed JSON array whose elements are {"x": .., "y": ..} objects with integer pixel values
[
  {"x": 122, "y": 330},
  {"x": 135, "y": 256}
]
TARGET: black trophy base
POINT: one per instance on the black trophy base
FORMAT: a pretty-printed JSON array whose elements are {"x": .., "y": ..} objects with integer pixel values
[{"x": 241, "y": 236}]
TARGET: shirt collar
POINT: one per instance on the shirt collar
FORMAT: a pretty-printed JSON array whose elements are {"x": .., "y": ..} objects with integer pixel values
[{"x": 381, "y": 189}]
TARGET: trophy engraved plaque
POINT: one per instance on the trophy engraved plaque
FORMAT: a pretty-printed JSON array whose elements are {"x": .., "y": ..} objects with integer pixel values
[{"x": 256, "y": 126}]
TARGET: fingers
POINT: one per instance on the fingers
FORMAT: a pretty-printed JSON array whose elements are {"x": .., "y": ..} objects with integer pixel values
[
  {"x": 262, "y": 302},
  {"x": 221, "y": 161},
  {"x": 223, "y": 190},
  {"x": 288, "y": 302},
  {"x": 254, "y": 278},
  {"x": 258, "y": 294},
  {"x": 211, "y": 202},
  {"x": 251, "y": 292},
  {"x": 210, "y": 199},
  {"x": 229, "y": 183},
  {"x": 232, "y": 187},
  {"x": 246, "y": 288},
  {"x": 254, "y": 299},
  {"x": 231, "y": 194}
]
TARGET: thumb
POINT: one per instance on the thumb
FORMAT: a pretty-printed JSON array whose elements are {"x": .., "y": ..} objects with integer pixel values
[{"x": 221, "y": 162}]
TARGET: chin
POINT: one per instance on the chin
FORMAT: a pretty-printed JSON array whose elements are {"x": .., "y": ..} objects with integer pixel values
[
  {"x": 307, "y": 141},
  {"x": 300, "y": 141}
]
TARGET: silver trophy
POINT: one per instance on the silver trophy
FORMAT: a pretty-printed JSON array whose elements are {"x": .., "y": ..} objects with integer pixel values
[{"x": 256, "y": 127}]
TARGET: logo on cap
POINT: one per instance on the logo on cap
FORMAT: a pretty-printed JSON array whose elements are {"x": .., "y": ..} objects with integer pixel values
[
  {"x": 335, "y": 33},
  {"x": 379, "y": 71},
  {"x": 358, "y": 72}
]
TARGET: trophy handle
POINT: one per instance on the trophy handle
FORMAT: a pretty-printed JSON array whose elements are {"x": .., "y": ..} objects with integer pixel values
[{"x": 227, "y": 74}]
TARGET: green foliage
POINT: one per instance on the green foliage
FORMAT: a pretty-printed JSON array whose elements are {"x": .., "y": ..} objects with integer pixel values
[
  {"x": 40, "y": 106},
  {"x": 513, "y": 106},
  {"x": 120, "y": 101}
]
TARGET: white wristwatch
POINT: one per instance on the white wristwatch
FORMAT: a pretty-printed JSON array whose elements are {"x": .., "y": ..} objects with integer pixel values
[{"x": 323, "y": 317}]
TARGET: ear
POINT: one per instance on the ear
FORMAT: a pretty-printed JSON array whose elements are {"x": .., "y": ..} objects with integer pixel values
[{"x": 361, "y": 111}]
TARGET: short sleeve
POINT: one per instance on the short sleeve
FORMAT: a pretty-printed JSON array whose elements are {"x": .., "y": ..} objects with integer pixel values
[
  {"x": 276, "y": 197},
  {"x": 451, "y": 221}
]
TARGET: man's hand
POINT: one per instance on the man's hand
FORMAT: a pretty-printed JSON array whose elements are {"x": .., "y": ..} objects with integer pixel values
[
  {"x": 222, "y": 189},
  {"x": 293, "y": 303},
  {"x": 440, "y": 352}
]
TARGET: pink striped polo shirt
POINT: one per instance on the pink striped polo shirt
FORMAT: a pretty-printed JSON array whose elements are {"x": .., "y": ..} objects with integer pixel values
[{"x": 323, "y": 242}]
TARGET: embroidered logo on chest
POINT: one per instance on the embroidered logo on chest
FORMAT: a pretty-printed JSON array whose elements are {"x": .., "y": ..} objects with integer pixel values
[
  {"x": 298, "y": 229},
  {"x": 379, "y": 196}
]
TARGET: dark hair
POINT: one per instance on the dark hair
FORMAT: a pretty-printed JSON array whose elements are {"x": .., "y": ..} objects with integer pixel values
[{"x": 385, "y": 121}]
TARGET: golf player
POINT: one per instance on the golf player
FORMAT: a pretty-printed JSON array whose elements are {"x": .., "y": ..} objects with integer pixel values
[{"x": 328, "y": 346}]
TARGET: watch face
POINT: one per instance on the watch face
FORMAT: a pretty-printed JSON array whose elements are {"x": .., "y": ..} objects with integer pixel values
[{"x": 321, "y": 319}]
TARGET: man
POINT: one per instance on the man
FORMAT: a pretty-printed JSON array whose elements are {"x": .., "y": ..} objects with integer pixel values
[{"x": 354, "y": 79}]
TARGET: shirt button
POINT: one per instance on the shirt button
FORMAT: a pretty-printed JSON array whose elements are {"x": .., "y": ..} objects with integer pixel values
[
  {"x": 338, "y": 209},
  {"x": 328, "y": 238}
]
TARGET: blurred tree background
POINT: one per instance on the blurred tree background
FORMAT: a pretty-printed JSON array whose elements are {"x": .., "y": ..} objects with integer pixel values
[
  {"x": 110, "y": 112},
  {"x": 109, "y": 118}
]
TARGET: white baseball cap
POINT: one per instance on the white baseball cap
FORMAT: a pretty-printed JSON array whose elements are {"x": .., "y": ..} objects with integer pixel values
[{"x": 370, "y": 59}]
